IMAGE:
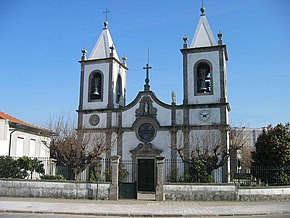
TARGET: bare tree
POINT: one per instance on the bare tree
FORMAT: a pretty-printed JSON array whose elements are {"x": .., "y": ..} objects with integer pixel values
[
  {"x": 240, "y": 148},
  {"x": 206, "y": 154},
  {"x": 75, "y": 148}
]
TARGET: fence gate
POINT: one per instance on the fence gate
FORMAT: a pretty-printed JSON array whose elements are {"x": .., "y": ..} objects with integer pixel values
[
  {"x": 127, "y": 183},
  {"x": 127, "y": 190}
]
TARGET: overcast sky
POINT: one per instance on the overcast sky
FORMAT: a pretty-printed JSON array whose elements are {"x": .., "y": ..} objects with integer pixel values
[{"x": 41, "y": 43}]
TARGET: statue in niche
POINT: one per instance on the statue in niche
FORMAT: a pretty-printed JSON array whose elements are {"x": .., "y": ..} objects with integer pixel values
[{"x": 146, "y": 108}]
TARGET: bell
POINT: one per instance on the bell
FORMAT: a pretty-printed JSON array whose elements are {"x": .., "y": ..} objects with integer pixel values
[
  {"x": 207, "y": 77},
  {"x": 95, "y": 92},
  {"x": 203, "y": 87}
]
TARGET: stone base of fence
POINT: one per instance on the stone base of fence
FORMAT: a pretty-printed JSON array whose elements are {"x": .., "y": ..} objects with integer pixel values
[
  {"x": 224, "y": 192},
  {"x": 53, "y": 189},
  {"x": 180, "y": 192},
  {"x": 264, "y": 193},
  {"x": 189, "y": 192}
]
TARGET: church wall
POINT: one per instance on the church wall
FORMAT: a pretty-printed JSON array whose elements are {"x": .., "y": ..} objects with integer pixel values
[
  {"x": 95, "y": 139},
  {"x": 130, "y": 142},
  {"x": 214, "y": 116},
  {"x": 114, "y": 144},
  {"x": 118, "y": 71},
  {"x": 114, "y": 119},
  {"x": 225, "y": 75},
  {"x": 203, "y": 139},
  {"x": 103, "y": 67},
  {"x": 179, "y": 117},
  {"x": 179, "y": 139},
  {"x": 128, "y": 116},
  {"x": 163, "y": 115},
  {"x": 213, "y": 58},
  {"x": 101, "y": 124},
  {"x": 162, "y": 141}
]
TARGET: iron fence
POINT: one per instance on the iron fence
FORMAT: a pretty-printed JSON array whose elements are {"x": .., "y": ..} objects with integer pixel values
[
  {"x": 263, "y": 175},
  {"x": 99, "y": 170},
  {"x": 190, "y": 172},
  {"x": 127, "y": 171},
  {"x": 175, "y": 171}
]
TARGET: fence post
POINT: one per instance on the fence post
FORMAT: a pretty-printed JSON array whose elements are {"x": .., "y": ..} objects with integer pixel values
[
  {"x": 114, "y": 188},
  {"x": 160, "y": 179}
]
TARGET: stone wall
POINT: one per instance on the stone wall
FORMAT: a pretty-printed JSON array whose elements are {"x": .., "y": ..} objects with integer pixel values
[
  {"x": 227, "y": 192},
  {"x": 180, "y": 192},
  {"x": 200, "y": 192},
  {"x": 53, "y": 189},
  {"x": 262, "y": 194}
]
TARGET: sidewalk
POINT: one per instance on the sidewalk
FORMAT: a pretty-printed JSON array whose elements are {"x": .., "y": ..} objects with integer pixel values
[{"x": 129, "y": 208}]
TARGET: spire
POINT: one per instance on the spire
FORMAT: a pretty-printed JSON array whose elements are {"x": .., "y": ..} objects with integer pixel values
[
  {"x": 102, "y": 48},
  {"x": 203, "y": 36}
]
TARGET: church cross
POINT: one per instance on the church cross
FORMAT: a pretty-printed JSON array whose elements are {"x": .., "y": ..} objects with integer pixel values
[
  {"x": 106, "y": 12},
  {"x": 147, "y": 68}
]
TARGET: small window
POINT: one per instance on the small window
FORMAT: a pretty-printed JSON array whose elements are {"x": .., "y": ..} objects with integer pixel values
[
  {"x": 96, "y": 86},
  {"x": 203, "y": 79},
  {"x": 119, "y": 92}
]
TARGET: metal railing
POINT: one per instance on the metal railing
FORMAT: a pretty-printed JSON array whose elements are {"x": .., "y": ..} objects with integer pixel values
[
  {"x": 178, "y": 171},
  {"x": 263, "y": 175},
  {"x": 175, "y": 171}
]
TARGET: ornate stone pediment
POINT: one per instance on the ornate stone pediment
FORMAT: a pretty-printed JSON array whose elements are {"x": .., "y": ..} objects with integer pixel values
[
  {"x": 146, "y": 108},
  {"x": 146, "y": 149}
]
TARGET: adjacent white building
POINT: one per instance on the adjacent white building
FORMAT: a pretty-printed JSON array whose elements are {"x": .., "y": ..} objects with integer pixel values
[{"x": 18, "y": 139}]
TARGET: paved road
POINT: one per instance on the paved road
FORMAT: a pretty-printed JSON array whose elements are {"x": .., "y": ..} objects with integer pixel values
[{"x": 125, "y": 208}]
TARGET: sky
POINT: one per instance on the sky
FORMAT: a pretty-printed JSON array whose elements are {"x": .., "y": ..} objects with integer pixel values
[{"x": 41, "y": 43}]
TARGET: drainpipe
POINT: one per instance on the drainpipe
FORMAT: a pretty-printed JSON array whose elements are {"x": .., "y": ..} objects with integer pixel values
[{"x": 10, "y": 139}]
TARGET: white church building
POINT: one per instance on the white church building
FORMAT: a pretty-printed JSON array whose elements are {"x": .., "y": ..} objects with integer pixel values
[{"x": 147, "y": 128}]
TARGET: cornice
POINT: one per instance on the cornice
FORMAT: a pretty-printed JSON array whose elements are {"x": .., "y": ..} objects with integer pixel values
[{"x": 103, "y": 60}]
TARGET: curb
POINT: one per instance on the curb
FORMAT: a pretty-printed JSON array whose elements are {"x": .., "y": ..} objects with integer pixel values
[{"x": 141, "y": 214}]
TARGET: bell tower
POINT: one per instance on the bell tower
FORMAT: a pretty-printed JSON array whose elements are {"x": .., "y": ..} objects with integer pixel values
[
  {"x": 103, "y": 76},
  {"x": 205, "y": 106},
  {"x": 204, "y": 66}
]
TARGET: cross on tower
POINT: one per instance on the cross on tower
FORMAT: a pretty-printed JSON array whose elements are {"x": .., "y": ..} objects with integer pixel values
[{"x": 106, "y": 12}]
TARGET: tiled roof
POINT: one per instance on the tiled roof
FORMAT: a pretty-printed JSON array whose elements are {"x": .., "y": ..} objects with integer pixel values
[
  {"x": 15, "y": 120},
  {"x": 12, "y": 119}
]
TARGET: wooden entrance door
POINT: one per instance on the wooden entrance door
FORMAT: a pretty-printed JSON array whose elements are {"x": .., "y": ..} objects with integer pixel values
[{"x": 146, "y": 175}]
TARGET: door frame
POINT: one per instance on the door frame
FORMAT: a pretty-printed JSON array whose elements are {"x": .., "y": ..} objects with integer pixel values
[{"x": 154, "y": 173}]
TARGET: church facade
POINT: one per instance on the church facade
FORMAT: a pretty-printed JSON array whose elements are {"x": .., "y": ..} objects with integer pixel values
[{"x": 148, "y": 128}]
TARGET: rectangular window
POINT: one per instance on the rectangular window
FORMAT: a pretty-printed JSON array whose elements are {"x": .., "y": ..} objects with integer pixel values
[
  {"x": 32, "y": 148},
  {"x": 19, "y": 147},
  {"x": 42, "y": 149}
]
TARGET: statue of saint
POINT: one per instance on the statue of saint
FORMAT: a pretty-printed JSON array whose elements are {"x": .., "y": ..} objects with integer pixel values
[{"x": 173, "y": 96}]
